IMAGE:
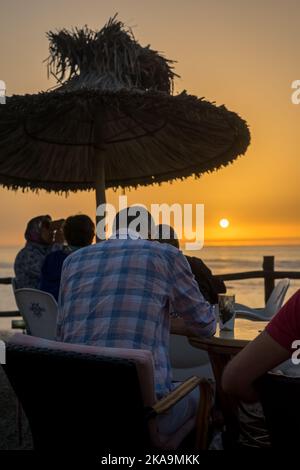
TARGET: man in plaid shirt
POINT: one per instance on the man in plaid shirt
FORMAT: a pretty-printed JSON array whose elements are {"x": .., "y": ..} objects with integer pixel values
[{"x": 121, "y": 292}]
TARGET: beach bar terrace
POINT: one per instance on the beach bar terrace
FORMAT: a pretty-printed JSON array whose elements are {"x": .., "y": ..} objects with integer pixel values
[{"x": 243, "y": 424}]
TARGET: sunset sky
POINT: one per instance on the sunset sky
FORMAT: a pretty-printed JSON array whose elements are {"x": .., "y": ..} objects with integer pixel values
[{"x": 244, "y": 54}]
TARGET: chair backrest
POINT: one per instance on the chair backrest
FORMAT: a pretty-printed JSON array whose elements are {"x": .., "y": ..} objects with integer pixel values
[
  {"x": 81, "y": 397},
  {"x": 39, "y": 310},
  {"x": 276, "y": 298},
  {"x": 279, "y": 396}
]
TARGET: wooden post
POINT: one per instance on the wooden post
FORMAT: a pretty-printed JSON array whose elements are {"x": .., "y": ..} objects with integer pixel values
[
  {"x": 100, "y": 186},
  {"x": 99, "y": 162},
  {"x": 268, "y": 268}
]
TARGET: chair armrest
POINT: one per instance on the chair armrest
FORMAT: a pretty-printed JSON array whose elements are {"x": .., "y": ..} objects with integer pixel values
[
  {"x": 204, "y": 407},
  {"x": 165, "y": 403}
]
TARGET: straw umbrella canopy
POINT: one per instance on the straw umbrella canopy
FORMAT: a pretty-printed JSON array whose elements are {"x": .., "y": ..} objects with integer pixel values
[{"x": 112, "y": 121}]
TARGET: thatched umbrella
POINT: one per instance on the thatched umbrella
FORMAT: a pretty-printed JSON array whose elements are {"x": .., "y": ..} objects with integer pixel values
[{"x": 112, "y": 121}]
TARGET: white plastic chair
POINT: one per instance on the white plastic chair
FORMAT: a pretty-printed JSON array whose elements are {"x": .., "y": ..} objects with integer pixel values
[
  {"x": 39, "y": 310},
  {"x": 272, "y": 306},
  {"x": 187, "y": 361}
]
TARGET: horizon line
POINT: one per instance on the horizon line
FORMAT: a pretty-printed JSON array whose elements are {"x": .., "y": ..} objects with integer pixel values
[{"x": 279, "y": 241}]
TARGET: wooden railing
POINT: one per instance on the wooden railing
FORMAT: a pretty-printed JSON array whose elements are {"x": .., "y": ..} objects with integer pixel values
[
  {"x": 267, "y": 273},
  {"x": 11, "y": 313}
]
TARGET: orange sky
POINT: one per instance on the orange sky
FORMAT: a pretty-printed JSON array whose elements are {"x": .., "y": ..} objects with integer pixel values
[{"x": 235, "y": 52}]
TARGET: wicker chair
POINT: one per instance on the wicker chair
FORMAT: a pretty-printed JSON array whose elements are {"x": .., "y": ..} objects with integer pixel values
[{"x": 90, "y": 398}]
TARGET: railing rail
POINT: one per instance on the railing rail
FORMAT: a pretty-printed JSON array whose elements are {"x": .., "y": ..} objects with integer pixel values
[
  {"x": 267, "y": 273},
  {"x": 240, "y": 276},
  {"x": 5, "y": 280},
  {"x": 10, "y": 313}
]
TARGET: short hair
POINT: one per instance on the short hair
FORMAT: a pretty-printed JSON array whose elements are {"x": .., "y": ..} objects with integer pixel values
[
  {"x": 126, "y": 217},
  {"x": 166, "y": 234},
  {"x": 79, "y": 230}
]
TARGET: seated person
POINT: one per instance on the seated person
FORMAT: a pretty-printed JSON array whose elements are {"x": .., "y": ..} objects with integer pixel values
[
  {"x": 119, "y": 293},
  {"x": 209, "y": 285},
  {"x": 79, "y": 231},
  {"x": 272, "y": 347},
  {"x": 40, "y": 240}
]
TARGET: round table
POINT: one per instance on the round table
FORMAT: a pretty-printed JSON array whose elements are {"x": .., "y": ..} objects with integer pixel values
[
  {"x": 230, "y": 342},
  {"x": 221, "y": 348}
]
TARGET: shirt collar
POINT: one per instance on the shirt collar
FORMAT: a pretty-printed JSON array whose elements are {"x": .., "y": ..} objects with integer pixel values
[{"x": 125, "y": 233}]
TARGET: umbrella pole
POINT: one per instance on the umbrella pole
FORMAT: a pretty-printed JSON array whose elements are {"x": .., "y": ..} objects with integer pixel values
[{"x": 100, "y": 187}]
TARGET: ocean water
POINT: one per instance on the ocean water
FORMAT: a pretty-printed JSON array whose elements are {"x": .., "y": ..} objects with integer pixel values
[
  {"x": 220, "y": 259},
  {"x": 233, "y": 259}
]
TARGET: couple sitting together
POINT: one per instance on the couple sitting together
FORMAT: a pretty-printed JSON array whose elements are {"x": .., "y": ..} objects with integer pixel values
[{"x": 48, "y": 243}]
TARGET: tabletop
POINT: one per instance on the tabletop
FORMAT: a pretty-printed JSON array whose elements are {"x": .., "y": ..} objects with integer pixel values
[{"x": 231, "y": 341}]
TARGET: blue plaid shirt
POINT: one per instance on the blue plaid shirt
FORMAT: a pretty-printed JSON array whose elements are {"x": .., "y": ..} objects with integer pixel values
[{"x": 120, "y": 293}]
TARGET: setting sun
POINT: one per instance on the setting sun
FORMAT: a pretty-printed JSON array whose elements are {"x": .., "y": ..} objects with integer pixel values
[{"x": 224, "y": 223}]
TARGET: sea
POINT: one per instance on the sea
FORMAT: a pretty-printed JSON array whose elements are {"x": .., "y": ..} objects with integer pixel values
[{"x": 220, "y": 259}]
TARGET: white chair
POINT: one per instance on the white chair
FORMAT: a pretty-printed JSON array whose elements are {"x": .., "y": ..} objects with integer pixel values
[
  {"x": 272, "y": 306},
  {"x": 187, "y": 361},
  {"x": 39, "y": 310}
]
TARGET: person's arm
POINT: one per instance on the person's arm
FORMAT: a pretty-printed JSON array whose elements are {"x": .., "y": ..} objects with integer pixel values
[
  {"x": 270, "y": 348},
  {"x": 257, "y": 358},
  {"x": 188, "y": 302},
  {"x": 59, "y": 239},
  {"x": 179, "y": 327}
]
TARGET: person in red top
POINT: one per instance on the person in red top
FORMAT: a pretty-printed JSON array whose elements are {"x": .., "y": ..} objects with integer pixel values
[{"x": 272, "y": 347}]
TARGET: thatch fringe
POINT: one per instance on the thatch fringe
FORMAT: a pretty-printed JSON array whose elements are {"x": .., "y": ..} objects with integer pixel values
[{"x": 75, "y": 187}]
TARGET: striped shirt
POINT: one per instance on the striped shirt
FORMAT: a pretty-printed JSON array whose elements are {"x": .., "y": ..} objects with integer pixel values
[{"x": 120, "y": 293}]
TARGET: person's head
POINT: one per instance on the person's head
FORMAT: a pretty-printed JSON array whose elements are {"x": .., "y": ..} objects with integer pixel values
[
  {"x": 79, "y": 230},
  {"x": 166, "y": 234},
  {"x": 39, "y": 230},
  {"x": 135, "y": 218}
]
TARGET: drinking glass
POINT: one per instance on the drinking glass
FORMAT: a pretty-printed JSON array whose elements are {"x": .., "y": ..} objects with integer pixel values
[{"x": 226, "y": 311}]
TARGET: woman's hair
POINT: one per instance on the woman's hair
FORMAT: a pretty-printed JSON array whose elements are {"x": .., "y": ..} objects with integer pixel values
[
  {"x": 34, "y": 228},
  {"x": 79, "y": 230},
  {"x": 166, "y": 234}
]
